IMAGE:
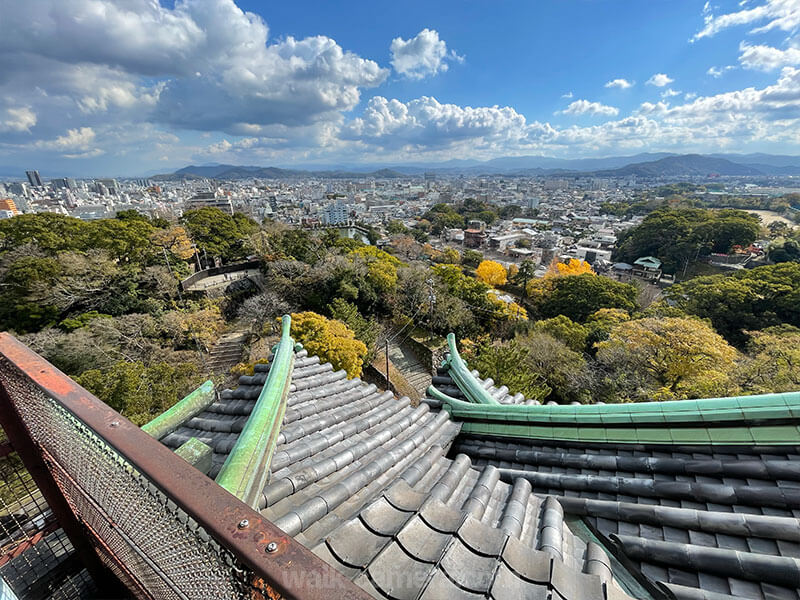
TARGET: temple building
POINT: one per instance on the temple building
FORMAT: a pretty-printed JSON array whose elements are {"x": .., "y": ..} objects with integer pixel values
[{"x": 302, "y": 483}]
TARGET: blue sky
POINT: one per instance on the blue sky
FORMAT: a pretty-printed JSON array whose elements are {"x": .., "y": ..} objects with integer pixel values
[{"x": 131, "y": 86}]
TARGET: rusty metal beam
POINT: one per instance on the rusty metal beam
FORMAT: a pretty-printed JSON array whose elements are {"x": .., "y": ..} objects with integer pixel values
[
  {"x": 20, "y": 440},
  {"x": 287, "y": 567},
  {"x": 17, "y": 547}
]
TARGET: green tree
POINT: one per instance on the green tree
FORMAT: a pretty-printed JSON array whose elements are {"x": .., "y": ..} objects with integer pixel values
[
  {"x": 450, "y": 256},
  {"x": 787, "y": 250},
  {"x": 501, "y": 360},
  {"x": 471, "y": 258},
  {"x": 578, "y": 296},
  {"x": 564, "y": 371},
  {"x": 561, "y": 327},
  {"x": 747, "y": 300},
  {"x": 396, "y": 227},
  {"x": 772, "y": 363},
  {"x": 125, "y": 240},
  {"x": 218, "y": 233},
  {"x": 524, "y": 274},
  {"x": 365, "y": 329},
  {"x": 141, "y": 392},
  {"x": 50, "y": 232},
  {"x": 670, "y": 359},
  {"x": 678, "y": 236}
]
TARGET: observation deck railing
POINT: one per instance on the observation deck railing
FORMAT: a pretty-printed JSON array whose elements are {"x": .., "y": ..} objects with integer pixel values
[{"x": 135, "y": 512}]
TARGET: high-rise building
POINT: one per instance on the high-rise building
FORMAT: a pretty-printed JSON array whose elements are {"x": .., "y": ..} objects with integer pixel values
[
  {"x": 34, "y": 178},
  {"x": 66, "y": 183},
  {"x": 336, "y": 214},
  {"x": 209, "y": 200},
  {"x": 110, "y": 184}
]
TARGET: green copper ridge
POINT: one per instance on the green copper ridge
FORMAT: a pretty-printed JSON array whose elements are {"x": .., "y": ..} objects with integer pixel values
[
  {"x": 192, "y": 405},
  {"x": 464, "y": 378},
  {"x": 246, "y": 471},
  {"x": 768, "y": 419}
]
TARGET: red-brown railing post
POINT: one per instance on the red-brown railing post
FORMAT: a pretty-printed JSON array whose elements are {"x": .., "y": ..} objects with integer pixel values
[{"x": 108, "y": 586}]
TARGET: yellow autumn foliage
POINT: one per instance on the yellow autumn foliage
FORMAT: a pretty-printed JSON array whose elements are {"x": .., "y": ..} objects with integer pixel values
[
  {"x": 331, "y": 340},
  {"x": 538, "y": 287},
  {"x": 492, "y": 273},
  {"x": 684, "y": 358},
  {"x": 510, "y": 311},
  {"x": 573, "y": 266},
  {"x": 174, "y": 240}
]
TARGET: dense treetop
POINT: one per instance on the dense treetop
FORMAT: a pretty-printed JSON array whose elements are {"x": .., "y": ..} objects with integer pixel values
[{"x": 678, "y": 236}]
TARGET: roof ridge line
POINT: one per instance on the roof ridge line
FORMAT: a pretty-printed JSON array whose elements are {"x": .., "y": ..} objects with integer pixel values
[
  {"x": 463, "y": 377},
  {"x": 246, "y": 469}
]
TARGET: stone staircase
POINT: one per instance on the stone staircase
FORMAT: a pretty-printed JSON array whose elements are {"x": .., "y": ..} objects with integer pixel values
[
  {"x": 414, "y": 372},
  {"x": 226, "y": 352}
]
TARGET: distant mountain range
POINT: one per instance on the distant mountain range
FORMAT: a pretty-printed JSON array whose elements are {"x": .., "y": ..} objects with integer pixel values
[
  {"x": 639, "y": 165},
  {"x": 241, "y": 172}
]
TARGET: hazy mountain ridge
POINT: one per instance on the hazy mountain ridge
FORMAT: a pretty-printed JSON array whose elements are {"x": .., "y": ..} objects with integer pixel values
[
  {"x": 639, "y": 165},
  {"x": 681, "y": 166}
]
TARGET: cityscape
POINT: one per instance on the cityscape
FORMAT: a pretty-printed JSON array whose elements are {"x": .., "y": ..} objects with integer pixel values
[{"x": 399, "y": 301}]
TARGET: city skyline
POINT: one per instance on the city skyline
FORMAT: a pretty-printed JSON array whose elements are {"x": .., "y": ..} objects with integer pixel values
[{"x": 135, "y": 87}]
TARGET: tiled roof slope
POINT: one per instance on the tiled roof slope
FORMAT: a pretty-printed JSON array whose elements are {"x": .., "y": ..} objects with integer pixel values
[
  {"x": 364, "y": 480},
  {"x": 703, "y": 522}
]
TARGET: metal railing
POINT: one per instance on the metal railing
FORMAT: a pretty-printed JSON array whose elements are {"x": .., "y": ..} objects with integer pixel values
[
  {"x": 37, "y": 560},
  {"x": 160, "y": 526}
]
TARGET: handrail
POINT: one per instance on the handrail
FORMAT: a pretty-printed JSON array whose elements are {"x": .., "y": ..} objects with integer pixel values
[
  {"x": 246, "y": 469},
  {"x": 464, "y": 378},
  {"x": 281, "y": 564},
  {"x": 193, "y": 404}
]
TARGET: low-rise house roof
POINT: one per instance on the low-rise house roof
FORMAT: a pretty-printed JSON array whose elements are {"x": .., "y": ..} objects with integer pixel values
[{"x": 650, "y": 262}]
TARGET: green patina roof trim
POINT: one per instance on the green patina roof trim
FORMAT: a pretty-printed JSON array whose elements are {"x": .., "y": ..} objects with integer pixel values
[
  {"x": 763, "y": 419},
  {"x": 193, "y": 404},
  {"x": 464, "y": 378},
  {"x": 782, "y": 435},
  {"x": 246, "y": 470}
]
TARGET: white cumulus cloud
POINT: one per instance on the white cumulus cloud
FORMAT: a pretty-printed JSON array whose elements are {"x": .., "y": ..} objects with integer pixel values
[
  {"x": 201, "y": 64},
  {"x": 622, "y": 84},
  {"x": 17, "y": 119},
  {"x": 767, "y": 58},
  {"x": 659, "y": 80},
  {"x": 717, "y": 72},
  {"x": 584, "y": 107},
  {"x": 422, "y": 56}
]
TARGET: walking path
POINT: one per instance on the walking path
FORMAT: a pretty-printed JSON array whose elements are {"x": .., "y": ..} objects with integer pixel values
[{"x": 226, "y": 352}]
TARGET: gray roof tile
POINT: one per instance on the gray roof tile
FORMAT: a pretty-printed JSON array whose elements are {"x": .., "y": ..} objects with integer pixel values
[{"x": 364, "y": 479}]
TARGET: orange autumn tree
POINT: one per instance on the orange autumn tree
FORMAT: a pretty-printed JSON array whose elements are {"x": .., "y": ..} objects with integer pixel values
[
  {"x": 492, "y": 273},
  {"x": 573, "y": 266}
]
